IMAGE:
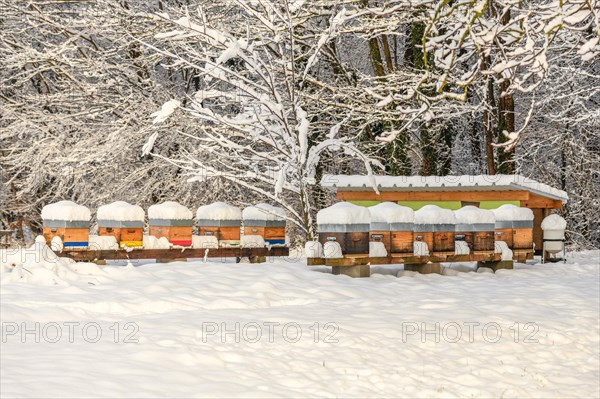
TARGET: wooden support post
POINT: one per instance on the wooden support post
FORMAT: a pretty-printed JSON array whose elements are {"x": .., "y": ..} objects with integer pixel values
[
  {"x": 171, "y": 260},
  {"x": 352, "y": 271},
  {"x": 257, "y": 259},
  {"x": 503, "y": 264},
  {"x": 425, "y": 268}
]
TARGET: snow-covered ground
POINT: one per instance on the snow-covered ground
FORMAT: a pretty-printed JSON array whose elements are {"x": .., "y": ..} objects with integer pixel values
[{"x": 374, "y": 344}]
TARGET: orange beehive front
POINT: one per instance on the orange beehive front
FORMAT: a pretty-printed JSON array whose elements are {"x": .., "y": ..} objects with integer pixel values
[
  {"x": 69, "y": 222},
  {"x": 172, "y": 221},
  {"x": 123, "y": 221},
  {"x": 266, "y": 221},
  {"x": 222, "y": 221}
]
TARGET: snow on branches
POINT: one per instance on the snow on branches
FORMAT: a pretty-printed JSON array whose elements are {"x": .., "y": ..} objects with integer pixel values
[{"x": 258, "y": 114}]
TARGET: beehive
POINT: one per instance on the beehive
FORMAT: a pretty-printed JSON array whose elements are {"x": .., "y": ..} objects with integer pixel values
[
  {"x": 68, "y": 221},
  {"x": 172, "y": 221},
  {"x": 123, "y": 221},
  {"x": 347, "y": 224},
  {"x": 476, "y": 227},
  {"x": 392, "y": 225},
  {"x": 222, "y": 221},
  {"x": 514, "y": 225},
  {"x": 266, "y": 221},
  {"x": 435, "y": 226}
]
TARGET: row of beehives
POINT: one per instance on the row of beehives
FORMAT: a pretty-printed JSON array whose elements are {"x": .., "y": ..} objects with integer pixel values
[
  {"x": 66, "y": 225},
  {"x": 388, "y": 228}
]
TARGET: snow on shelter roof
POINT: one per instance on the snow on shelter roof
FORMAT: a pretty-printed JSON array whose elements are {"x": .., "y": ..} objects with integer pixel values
[
  {"x": 443, "y": 183},
  {"x": 344, "y": 213},
  {"x": 391, "y": 212},
  {"x": 66, "y": 210},
  {"x": 219, "y": 211},
  {"x": 122, "y": 211},
  {"x": 170, "y": 210}
]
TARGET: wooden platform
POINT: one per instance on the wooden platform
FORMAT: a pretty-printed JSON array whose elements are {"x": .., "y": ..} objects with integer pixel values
[
  {"x": 172, "y": 254},
  {"x": 402, "y": 259}
]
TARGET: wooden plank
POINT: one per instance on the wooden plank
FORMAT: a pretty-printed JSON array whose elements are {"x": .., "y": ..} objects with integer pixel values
[
  {"x": 407, "y": 259},
  {"x": 315, "y": 261},
  {"x": 347, "y": 261},
  {"x": 369, "y": 195},
  {"x": 89, "y": 256},
  {"x": 523, "y": 238},
  {"x": 172, "y": 233},
  {"x": 537, "y": 201},
  {"x": 402, "y": 242},
  {"x": 426, "y": 268},
  {"x": 358, "y": 271},
  {"x": 495, "y": 266}
]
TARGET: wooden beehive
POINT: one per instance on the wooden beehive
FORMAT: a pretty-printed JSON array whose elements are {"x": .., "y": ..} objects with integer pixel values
[
  {"x": 123, "y": 221},
  {"x": 220, "y": 230},
  {"x": 222, "y": 221},
  {"x": 72, "y": 235},
  {"x": 266, "y": 221},
  {"x": 436, "y": 227},
  {"x": 476, "y": 227},
  {"x": 504, "y": 232},
  {"x": 514, "y": 225},
  {"x": 392, "y": 225},
  {"x": 347, "y": 224},
  {"x": 131, "y": 236},
  {"x": 172, "y": 221},
  {"x": 523, "y": 234},
  {"x": 352, "y": 243},
  {"x": 68, "y": 221},
  {"x": 177, "y": 235}
]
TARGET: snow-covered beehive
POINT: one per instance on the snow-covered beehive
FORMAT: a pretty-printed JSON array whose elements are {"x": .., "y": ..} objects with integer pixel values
[
  {"x": 123, "y": 221},
  {"x": 436, "y": 227},
  {"x": 69, "y": 222},
  {"x": 266, "y": 221},
  {"x": 393, "y": 225},
  {"x": 222, "y": 221},
  {"x": 554, "y": 227},
  {"x": 476, "y": 227},
  {"x": 171, "y": 220},
  {"x": 347, "y": 224},
  {"x": 514, "y": 225}
]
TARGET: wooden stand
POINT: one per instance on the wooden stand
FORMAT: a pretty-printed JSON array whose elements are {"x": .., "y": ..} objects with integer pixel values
[
  {"x": 352, "y": 271},
  {"x": 170, "y": 260},
  {"x": 174, "y": 255},
  {"x": 356, "y": 266},
  {"x": 425, "y": 268},
  {"x": 503, "y": 264}
]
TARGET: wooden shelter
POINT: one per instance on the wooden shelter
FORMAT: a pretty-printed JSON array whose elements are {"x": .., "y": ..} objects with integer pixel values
[{"x": 453, "y": 192}]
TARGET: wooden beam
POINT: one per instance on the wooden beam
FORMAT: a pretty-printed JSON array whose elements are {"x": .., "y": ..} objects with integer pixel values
[
  {"x": 537, "y": 201},
  {"x": 166, "y": 254},
  {"x": 500, "y": 195}
]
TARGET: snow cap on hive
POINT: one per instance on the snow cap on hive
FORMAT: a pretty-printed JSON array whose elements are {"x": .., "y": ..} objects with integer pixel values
[
  {"x": 218, "y": 211},
  {"x": 554, "y": 222},
  {"x": 66, "y": 211},
  {"x": 344, "y": 213},
  {"x": 391, "y": 212},
  {"x": 433, "y": 214},
  {"x": 472, "y": 215},
  {"x": 121, "y": 211},
  {"x": 170, "y": 210},
  {"x": 263, "y": 212},
  {"x": 510, "y": 212}
]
